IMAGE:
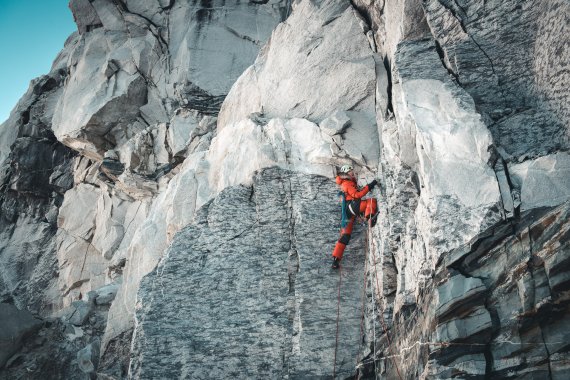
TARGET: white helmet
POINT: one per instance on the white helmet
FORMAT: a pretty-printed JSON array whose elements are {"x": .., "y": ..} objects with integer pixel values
[{"x": 345, "y": 168}]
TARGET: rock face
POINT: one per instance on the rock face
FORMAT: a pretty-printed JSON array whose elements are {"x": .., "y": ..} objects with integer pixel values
[
  {"x": 497, "y": 305},
  {"x": 169, "y": 209},
  {"x": 16, "y": 325},
  {"x": 37, "y": 170},
  {"x": 260, "y": 296},
  {"x": 506, "y": 69},
  {"x": 280, "y": 83}
]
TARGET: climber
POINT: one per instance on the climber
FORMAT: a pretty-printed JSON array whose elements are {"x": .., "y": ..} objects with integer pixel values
[{"x": 354, "y": 206}]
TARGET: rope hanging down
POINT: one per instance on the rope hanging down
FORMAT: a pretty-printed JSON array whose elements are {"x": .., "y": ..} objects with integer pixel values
[
  {"x": 366, "y": 250},
  {"x": 384, "y": 324},
  {"x": 368, "y": 232},
  {"x": 363, "y": 294},
  {"x": 337, "y": 319}
]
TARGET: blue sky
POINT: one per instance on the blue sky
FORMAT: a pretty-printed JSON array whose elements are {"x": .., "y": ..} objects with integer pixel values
[{"x": 32, "y": 32}]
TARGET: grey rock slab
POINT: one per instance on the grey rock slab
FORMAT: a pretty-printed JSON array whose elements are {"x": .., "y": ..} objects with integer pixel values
[
  {"x": 88, "y": 357},
  {"x": 509, "y": 55},
  {"x": 335, "y": 123},
  {"x": 300, "y": 73},
  {"x": 84, "y": 15},
  {"x": 255, "y": 294},
  {"x": 396, "y": 21},
  {"x": 295, "y": 144},
  {"x": 82, "y": 225},
  {"x": 81, "y": 266},
  {"x": 182, "y": 124},
  {"x": 106, "y": 294},
  {"x": 211, "y": 46},
  {"x": 449, "y": 132},
  {"x": 475, "y": 326},
  {"x": 456, "y": 291},
  {"x": 435, "y": 148},
  {"x": 542, "y": 182},
  {"x": 360, "y": 141},
  {"x": 16, "y": 325},
  {"x": 109, "y": 224}
]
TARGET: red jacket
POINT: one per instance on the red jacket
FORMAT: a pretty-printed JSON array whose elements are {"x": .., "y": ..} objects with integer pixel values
[{"x": 349, "y": 187}]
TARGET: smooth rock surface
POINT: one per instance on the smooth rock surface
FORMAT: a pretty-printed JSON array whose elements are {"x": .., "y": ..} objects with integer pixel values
[
  {"x": 543, "y": 182},
  {"x": 281, "y": 82}
]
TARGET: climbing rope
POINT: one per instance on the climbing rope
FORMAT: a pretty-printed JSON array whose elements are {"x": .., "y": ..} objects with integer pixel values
[
  {"x": 337, "y": 319},
  {"x": 374, "y": 329},
  {"x": 384, "y": 323},
  {"x": 363, "y": 294},
  {"x": 366, "y": 251}
]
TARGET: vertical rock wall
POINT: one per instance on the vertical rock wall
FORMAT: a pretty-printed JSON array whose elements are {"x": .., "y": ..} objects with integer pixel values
[
  {"x": 484, "y": 55},
  {"x": 159, "y": 194},
  {"x": 247, "y": 290},
  {"x": 37, "y": 170}
]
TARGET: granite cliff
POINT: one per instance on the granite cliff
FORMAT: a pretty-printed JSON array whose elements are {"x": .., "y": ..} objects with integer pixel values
[{"x": 169, "y": 206}]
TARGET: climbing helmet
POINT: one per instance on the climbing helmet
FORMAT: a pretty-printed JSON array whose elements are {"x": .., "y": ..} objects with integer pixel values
[{"x": 345, "y": 168}]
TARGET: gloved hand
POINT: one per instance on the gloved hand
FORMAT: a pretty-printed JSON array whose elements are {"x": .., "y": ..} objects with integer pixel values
[{"x": 372, "y": 184}]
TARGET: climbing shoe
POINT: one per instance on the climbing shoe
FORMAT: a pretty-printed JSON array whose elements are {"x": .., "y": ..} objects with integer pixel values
[{"x": 336, "y": 263}]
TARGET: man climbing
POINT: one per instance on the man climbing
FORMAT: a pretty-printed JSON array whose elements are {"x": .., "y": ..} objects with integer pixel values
[{"x": 354, "y": 206}]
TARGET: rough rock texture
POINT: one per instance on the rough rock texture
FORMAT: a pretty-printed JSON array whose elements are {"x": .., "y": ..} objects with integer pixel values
[
  {"x": 515, "y": 74},
  {"x": 16, "y": 324},
  {"x": 134, "y": 93},
  {"x": 168, "y": 208},
  {"x": 261, "y": 298},
  {"x": 294, "y": 144},
  {"x": 495, "y": 309},
  {"x": 36, "y": 172}
]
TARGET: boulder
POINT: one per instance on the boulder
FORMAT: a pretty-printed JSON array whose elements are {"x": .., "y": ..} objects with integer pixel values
[
  {"x": 335, "y": 123},
  {"x": 106, "y": 294},
  {"x": 79, "y": 312},
  {"x": 88, "y": 357}
]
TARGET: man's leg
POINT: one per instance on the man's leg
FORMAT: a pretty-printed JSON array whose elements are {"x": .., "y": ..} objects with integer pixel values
[
  {"x": 368, "y": 207},
  {"x": 343, "y": 241}
]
